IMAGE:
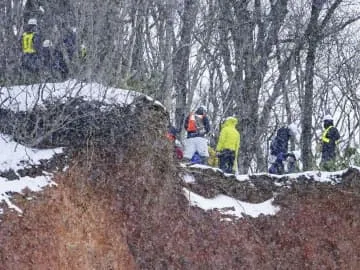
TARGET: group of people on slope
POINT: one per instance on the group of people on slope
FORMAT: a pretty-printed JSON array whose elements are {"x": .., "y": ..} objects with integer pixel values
[
  {"x": 42, "y": 55},
  {"x": 279, "y": 147},
  {"x": 197, "y": 126},
  {"x": 196, "y": 148}
]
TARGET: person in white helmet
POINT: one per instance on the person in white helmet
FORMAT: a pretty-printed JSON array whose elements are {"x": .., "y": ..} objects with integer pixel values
[
  {"x": 329, "y": 139},
  {"x": 31, "y": 47},
  {"x": 46, "y": 55}
]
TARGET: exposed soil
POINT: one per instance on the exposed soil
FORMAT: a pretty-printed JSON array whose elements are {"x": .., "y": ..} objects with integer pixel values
[{"x": 123, "y": 207}]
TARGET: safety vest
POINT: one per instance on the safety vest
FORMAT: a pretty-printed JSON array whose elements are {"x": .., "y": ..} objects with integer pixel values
[
  {"x": 324, "y": 139},
  {"x": 83, "y": 52},
  {"x": 195, "y": 122},
  {"x": 28, "y": 43}
]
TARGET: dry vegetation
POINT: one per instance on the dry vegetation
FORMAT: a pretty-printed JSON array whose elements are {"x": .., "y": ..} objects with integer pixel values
[{"x": 122, "y": 207}]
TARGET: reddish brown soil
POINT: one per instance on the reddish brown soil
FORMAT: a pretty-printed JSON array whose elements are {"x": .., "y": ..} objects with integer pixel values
[
  {"x": 124, "y": 208},
  {"x": 133, "y": 216},
  {"x": 65, "y": 228}
]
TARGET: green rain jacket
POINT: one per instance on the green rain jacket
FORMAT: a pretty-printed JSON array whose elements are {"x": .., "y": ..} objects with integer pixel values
[{"x": 229, "y": 137}]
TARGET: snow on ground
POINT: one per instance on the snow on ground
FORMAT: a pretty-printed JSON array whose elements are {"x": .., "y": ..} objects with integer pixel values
[
  {"x": 320, "y": 176},
  {"x": 188, "y": 178},
  {"x": 24, "y": 97},
  {"x": 239, "y": 208},
  {"x": 15, "y": 156},
  {"x": 230, "y": 206}
]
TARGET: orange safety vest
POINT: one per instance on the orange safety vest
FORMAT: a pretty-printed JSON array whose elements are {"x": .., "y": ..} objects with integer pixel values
[{"x": 192, "y": 125}]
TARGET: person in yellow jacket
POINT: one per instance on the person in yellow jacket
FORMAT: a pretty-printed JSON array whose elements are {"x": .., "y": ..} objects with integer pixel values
[{"x": 228, "y": 145}]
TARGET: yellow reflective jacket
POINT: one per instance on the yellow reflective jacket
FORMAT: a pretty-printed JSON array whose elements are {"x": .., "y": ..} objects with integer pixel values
[
  {"x": 229, "y": 136},
  {"x": 27, "y": 42},
  {"x": 324, "y": 137}
]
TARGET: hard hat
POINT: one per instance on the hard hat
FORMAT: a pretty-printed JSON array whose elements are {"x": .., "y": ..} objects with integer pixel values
[
  {"x": 47, "y": 43},
  {"x": 293, "y": 129},
  {"x": 32, "y": 21},
  {"x": 328, "y": 117}
]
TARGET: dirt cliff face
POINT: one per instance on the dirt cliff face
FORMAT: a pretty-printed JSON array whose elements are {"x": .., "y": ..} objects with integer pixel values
[
  {"x": 65, "y": 228},
  {"x": 121, "y": 206}
]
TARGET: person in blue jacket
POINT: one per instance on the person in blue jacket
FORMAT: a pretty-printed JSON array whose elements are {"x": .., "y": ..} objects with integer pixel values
[
  {"x": 69, "y": 41},
  {"x": 59, "y": 66},
  {"x": 46, "y": 55},
  {"x": 279, "y": 148}
]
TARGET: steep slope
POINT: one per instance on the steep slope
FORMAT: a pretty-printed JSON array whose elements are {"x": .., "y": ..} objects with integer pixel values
[{"x": 121, "y": 205}]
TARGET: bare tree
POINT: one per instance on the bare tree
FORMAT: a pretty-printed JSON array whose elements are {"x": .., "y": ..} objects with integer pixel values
[
  {"x": 315, "y": 32},
  {"x": 257, "y": 60},
  {"x": 182, "y": 58},
  {"x": 239, "y": 26}
]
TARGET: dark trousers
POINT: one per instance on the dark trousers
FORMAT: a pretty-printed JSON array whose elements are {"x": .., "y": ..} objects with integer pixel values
[
  {"x": 226, "y": 160},
  {"x": 31, "y": 62},
  {"x": 277, "y": 167}
]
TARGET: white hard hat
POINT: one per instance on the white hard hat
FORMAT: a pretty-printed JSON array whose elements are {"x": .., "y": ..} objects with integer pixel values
[
  {"x": 293, "y": 129},
  {"x": 32, "y": 21},
  {"x": 328, "y": 117},
  {"x": 47, "y": 43}
]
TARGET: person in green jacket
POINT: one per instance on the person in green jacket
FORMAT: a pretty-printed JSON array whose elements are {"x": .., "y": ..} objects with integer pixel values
[{"x": 228, "y": 145}]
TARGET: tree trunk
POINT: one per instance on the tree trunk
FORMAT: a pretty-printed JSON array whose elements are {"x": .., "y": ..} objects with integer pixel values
[
  {"x": 307, "y": 106},
  {"x": 181, "y": 60},
  {"x": 166, "y": 86}
]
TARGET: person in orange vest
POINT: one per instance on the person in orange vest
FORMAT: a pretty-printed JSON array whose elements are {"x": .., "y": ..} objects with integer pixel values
[
  {"x": 329, "y": 139},
  {"x": 31, "y": 47},
  {"x": 197, "y": 126}
]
